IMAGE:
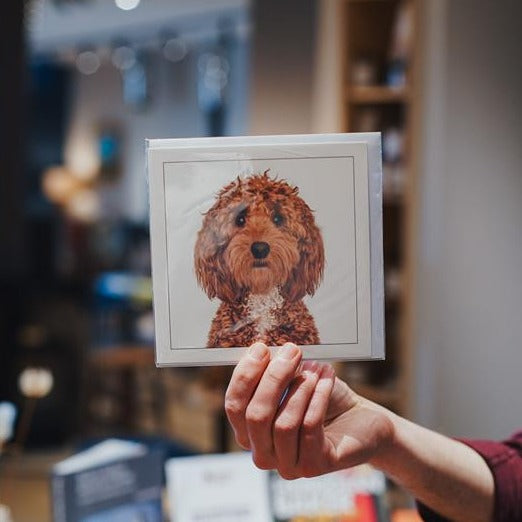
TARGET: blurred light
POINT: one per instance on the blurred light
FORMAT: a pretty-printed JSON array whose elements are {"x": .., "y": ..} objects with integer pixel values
[
  {"x": 175, "y": 49},
  {"x": 7, "y": 418},
  {"x": 392, "y": 144},
  {"x": 127, "y": 5},
  {"x": 35, "y": 383},
  {"x": 85, "y": 175},
  {"x": 84, "y": 206},
  {"x": 109, "y": 152},
  {"x": 145, "y": 327},
  {"x": 120, "y": 285},
  {"x": 115, "y": 285},
  {"x": 88, "y": 62},
  {"x": 214, "y": 69},
  {"x": 58, "y": 185},
  {"x": 135, "y": 84},
  {"x": 211, "y": 63},
  {"x": 81, "y": 156},
  {"x": 123, "y": 57}
]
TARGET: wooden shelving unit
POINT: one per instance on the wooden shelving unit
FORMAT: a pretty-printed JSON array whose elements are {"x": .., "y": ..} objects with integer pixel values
[
  {"x": 380, "y": 57},
  {"x": 376, "y": 94},
  {"x": 126, "y": 393}
]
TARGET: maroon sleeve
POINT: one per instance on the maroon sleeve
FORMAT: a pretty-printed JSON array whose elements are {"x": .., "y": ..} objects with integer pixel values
[{"x": 505, "y": 462}]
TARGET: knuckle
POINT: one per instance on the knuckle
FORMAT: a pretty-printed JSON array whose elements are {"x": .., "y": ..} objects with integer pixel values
[
  {"x": 257, "y": 415},
  {"x": 243, "y": 442},
  {"x": 308, "y": 443},
  {"x": 274, "y": 375},
  {"x": 243, "y": 379},
  {"x": 279, "y": 371},
  {"x": 284, "y": 426},
  {"x": 322, "y": 395},
  {"x": 310, "y": 425},
  {"x": 233, "y": 407}
]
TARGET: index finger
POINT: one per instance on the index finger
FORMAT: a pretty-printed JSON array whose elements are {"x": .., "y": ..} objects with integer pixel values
[
  {"x": 243, "y": 384},
  {"x": 264, "y": 404}
]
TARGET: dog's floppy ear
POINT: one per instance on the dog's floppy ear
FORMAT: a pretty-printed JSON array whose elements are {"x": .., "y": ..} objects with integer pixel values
[
  {"x": 307, "y": 275},
  {"x": 211, "y": 271}
]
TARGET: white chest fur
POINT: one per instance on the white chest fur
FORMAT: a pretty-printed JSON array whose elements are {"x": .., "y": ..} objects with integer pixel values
[{"x": 262, "y": 310}]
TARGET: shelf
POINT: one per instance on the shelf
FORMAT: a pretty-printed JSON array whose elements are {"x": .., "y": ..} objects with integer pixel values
[
  {"x": 393, "y": 285},
  {"x": 371, "y": 31},
  {"x": 371, "y": 1},
  {"x": 122, "y": 357},
  {"x": 376, "y": 94},
  {"x": 394, "y": 180},
  {"x": 392, "y": 200}
]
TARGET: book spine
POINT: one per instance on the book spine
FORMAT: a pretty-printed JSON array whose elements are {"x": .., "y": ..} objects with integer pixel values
[{"x": 58, "y": 499}]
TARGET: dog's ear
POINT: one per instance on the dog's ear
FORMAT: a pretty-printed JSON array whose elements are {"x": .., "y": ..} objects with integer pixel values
[
  {"x": 211, "y": 271},
  {"x": 307, "y": 275}
]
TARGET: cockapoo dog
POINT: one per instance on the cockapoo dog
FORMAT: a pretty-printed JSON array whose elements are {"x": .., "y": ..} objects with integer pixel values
[{"x": 260, "y": 252}]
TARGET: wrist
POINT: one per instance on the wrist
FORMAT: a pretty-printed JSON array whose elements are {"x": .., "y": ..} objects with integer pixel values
[
  {"x": 387, "y": 453},
  {"x": 444, "y": 474}
]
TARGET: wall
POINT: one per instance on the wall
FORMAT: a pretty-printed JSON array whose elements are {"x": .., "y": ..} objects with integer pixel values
[
  {"x": 282, "y": 66},
  {"x": 470, "y": 284}
]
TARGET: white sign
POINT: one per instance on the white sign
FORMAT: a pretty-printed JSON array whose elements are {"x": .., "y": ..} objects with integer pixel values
[{"x": 217, "y": 488}]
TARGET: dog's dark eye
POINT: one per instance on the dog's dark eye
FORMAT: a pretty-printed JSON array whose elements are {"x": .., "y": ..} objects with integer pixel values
[
  {"x": 241, "y": 219},
  {"x": 278, "y": 219}
]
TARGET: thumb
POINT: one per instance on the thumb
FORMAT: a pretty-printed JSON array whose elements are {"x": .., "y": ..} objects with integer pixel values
[{"x": 343, "y": 399}]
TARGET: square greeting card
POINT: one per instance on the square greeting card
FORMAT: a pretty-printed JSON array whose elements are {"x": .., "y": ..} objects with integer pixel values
[{"x": 267, "y": 238}]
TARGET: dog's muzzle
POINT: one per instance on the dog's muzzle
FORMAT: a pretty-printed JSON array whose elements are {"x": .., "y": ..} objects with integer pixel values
[{"x": 260, "y": 249}]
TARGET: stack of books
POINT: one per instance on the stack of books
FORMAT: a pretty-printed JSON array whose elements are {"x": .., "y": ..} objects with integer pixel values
[{"x": 114, "y": 481}]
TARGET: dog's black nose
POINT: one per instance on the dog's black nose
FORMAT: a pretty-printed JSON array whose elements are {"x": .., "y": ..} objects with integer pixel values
[{"x": 260, "y": 249}]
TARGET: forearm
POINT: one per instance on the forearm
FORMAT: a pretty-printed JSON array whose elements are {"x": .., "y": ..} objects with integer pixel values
[{"x": 444, "y": 474}]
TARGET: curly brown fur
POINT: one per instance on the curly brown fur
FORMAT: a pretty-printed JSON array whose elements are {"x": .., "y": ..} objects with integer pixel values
[{"x": 260, "y": 252}]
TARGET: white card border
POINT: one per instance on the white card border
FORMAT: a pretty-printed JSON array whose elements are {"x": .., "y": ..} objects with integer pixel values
[{"x": 158, "y": 150}]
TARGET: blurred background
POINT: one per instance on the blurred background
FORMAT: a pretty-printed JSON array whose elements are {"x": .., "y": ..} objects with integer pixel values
[{"x": 85, "y": 82}]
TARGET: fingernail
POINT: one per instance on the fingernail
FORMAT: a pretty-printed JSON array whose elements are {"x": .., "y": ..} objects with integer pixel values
[
  {"x": 258, "y": 351},
  {"x": 328, "y": 370},
  {"x": 288, "y": 351},
  {"x": 310, "y": 366}
]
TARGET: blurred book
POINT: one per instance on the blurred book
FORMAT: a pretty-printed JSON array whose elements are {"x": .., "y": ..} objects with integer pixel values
[
  {"x": 352, "y": 495},
  {"x": 229, "y": 487},
  {"x": 114, "y": 481}
]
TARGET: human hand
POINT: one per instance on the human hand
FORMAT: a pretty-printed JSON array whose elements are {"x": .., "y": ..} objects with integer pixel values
[{"x": 299, "y": 418}]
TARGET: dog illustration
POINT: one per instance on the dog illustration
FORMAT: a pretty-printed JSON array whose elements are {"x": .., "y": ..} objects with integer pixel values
[{"x": 260, "y": 252}]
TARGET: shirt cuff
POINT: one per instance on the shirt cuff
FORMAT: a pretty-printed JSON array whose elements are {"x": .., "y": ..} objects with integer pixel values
[{"x": 505, "y": 463}]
